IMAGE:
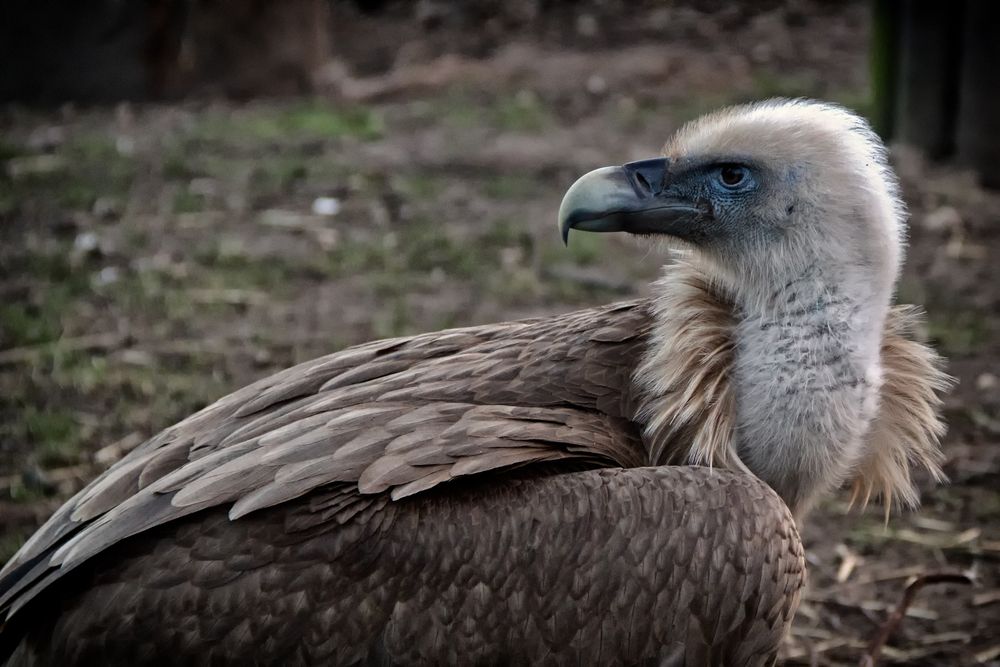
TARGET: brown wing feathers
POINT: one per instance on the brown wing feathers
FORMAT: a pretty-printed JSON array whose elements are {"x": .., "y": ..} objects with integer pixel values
[
  {"x": 524, "y": 587},
  {"x": 399, "y": 416}
]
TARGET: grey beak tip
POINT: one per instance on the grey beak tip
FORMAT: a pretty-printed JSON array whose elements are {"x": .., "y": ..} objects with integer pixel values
[{"x": 565, "y": 235}]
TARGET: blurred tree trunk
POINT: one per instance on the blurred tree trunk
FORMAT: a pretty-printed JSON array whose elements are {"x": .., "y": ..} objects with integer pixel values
[
  {"x": 936, "y": 76},
  {"x": 978, "y": 138},
  {"x": 927, "y": 87},
  {"x": 242, "y": 48},
  {"x": 57, "y": 50},
  {"x": 107, "y": 50},
  {"x": 885, "y": 34}
]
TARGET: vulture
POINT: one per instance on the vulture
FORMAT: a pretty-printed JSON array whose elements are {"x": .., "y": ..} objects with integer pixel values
[{"x": 617, "y": 485}]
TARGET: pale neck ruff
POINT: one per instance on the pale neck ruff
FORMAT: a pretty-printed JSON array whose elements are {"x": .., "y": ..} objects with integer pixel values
[{"x": 806, "y": 376}]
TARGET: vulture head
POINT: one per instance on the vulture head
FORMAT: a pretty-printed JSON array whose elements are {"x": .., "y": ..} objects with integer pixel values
[
  {"x": 790, "y": 212},
  {"x": 763, "y": 193}
]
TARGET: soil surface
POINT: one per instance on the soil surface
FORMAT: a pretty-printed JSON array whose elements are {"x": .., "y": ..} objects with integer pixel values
[{"x": 152, "y": 258}]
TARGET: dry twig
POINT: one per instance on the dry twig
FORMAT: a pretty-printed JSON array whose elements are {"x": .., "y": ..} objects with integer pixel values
[{"x": 871, "y": 656}]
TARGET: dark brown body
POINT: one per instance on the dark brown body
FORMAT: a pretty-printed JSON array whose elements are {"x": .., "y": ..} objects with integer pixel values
[
  {"x": 524, "y": 529},
  {"x": 650, "y": 565}
]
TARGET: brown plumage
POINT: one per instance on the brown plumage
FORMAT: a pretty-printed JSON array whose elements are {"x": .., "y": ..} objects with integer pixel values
[{"x": 498, "y": 494}]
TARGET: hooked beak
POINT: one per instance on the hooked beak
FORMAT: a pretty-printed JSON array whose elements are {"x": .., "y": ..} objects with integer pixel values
[{"x": 633, "y": 198}]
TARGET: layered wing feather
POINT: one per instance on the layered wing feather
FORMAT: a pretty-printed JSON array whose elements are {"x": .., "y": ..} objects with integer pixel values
[
  {"x": 672, "y": 565},
  {"x": 398, "y": 416}
]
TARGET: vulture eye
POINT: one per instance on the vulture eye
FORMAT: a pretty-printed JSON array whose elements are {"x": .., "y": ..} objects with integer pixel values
[{"x": 732, "y": 176}]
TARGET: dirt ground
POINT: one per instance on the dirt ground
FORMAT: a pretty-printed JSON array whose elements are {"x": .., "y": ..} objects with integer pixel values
[{"x": 154, "y": 257}]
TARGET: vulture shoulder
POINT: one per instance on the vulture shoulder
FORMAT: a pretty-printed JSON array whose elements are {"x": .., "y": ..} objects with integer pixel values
[{"x": 393, "y": 417}]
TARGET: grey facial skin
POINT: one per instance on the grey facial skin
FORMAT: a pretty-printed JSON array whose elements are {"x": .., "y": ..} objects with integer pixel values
[{"x": 637, "y": 198}]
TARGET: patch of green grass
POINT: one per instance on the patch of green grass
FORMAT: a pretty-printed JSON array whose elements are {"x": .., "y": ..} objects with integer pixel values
[
  {"x": 958, "y": 333},
  {"x": 54, "y": 434},
  {"x": 372, "y": 257},
  {"x": 77, "y": 196},
  {"x": 92, "y": 166},
  {"x": 393, "y": 320},
  {"x": 278, "y": 174},
  {"x": 523, "y": 112},
  {"x": 11, "y": 542},
  {"x": 396, "y": 263},
  {"x": 319, "y": 120},
  {"x": 177, "y": 163},
  {"x": 8, "y": 200},
  {"x": 457, "y": 108},
  {"x": 426, "y": 248},
  {"x": 24, "y": 324},
  {"x": 586, "y": 249},
  {"x": 54, "y": 267},
  {"x": 10, "y": 150},
  {"x": 583, "y": 250},
  {"x": 510, "y": 186},
  {"x": 24, "y": 491},
  {"x": 422, "y": 185},
  {"x": 140, "y": 292},
  {"x": 229, "y": 270},
  {"x": 96, "y": 160},
  {"x": 39, "y": 320},
  {"x": 136, "y": 237},
  {"x": 310, "y": 120},
  {"x": 503, "y": 234},
  {"x": 186, "y": 201},
  {"x": 83, "y": 372},
  {"x": 516, "y": 287}
]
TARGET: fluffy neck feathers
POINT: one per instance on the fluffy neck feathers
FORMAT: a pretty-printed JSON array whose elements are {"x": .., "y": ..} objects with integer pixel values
[{"x": 799, "y": 395}]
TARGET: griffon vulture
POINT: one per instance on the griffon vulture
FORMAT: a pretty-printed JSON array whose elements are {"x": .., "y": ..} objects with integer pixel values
[{"x": 612, "y": 486}]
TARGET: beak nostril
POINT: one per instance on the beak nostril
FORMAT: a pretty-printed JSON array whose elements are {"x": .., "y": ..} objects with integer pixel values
[
  {"x": 647, "y": 176},
  {"x": 643, "y": 183}
]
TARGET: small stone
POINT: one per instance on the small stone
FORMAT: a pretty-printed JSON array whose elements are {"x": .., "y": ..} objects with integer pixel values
[
  {"x": 326, "y": 206},
  {"x": 86, "y": 243},
  {"x": 596, "y": 85},
  {"x": 107, "y": 276}
]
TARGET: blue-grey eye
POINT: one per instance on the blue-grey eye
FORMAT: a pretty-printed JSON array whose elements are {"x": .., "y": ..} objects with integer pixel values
[{"x": 732, "y": 175}]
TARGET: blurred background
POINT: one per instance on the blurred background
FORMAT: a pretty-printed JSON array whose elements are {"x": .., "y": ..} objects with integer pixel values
[{"x": 196, "y": 193}]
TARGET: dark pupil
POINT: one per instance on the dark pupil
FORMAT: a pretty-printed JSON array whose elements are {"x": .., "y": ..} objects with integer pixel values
[{"x": 732, "y": 175}]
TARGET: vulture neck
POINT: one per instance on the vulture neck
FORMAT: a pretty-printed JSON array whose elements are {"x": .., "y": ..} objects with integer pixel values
[
  {"x": 806, "y": 378},
  {"x": 785, "y": 386}
]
